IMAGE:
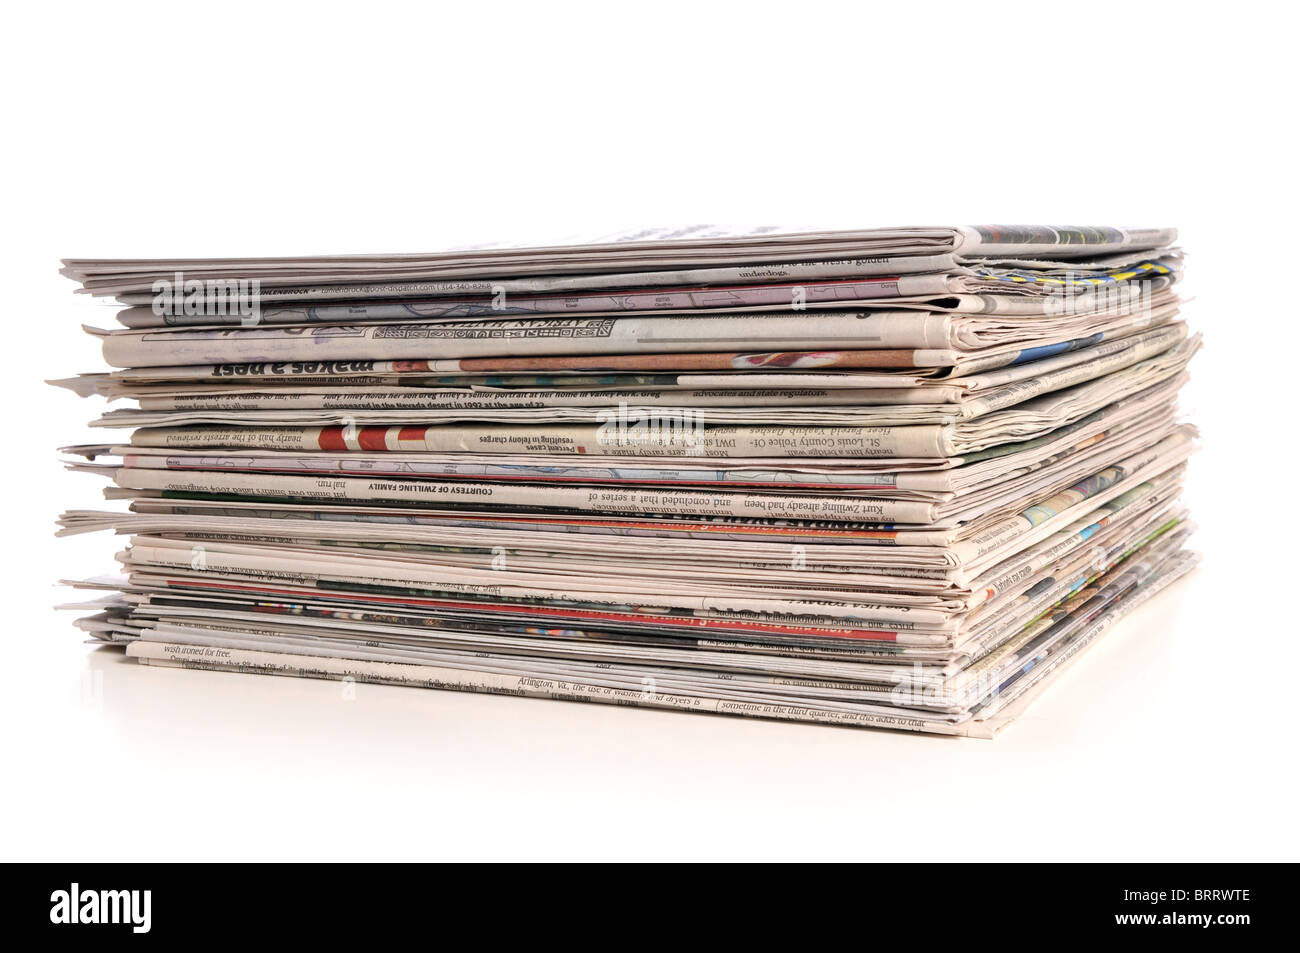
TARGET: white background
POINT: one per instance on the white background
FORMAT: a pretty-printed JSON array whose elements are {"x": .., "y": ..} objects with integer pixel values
[{"x": 261, "y": 129}]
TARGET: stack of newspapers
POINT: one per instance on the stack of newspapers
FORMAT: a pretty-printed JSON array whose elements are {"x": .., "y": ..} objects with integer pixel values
[{"x": 897, "y": 477}]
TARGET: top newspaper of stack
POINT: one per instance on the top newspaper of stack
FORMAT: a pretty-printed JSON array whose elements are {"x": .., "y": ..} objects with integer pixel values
[{"x": 981, "y": 269}]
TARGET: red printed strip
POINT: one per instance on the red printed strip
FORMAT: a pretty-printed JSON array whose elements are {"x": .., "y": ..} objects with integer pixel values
[
  {"x": 679, "y": 622},
  {"x": 372, "y": 439}
]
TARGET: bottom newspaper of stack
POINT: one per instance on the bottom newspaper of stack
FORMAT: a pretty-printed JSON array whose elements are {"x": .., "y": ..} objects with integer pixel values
[{"x": 935, "y": 593}]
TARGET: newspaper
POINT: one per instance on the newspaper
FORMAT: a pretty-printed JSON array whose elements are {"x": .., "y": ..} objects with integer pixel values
[
  {"x": 760, "y": 255},
  {"x": 872, "y": 339},
  {"x": 940, "y": 621},
  {"x": 969, "y": 396},
  {"x": 1086, "y": 439},
  {"x": 985, "y": 637},
  {"x": 725, "y": 609},
  {"x": 623, "y": 432},
  {"x": 1072, "y": 640},
  {"x": 882, "y": 478},
  {"x": 860, "y": 294}
]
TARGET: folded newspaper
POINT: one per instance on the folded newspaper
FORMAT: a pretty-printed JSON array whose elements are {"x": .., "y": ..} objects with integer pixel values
[{"x": 892, "y": 478}]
